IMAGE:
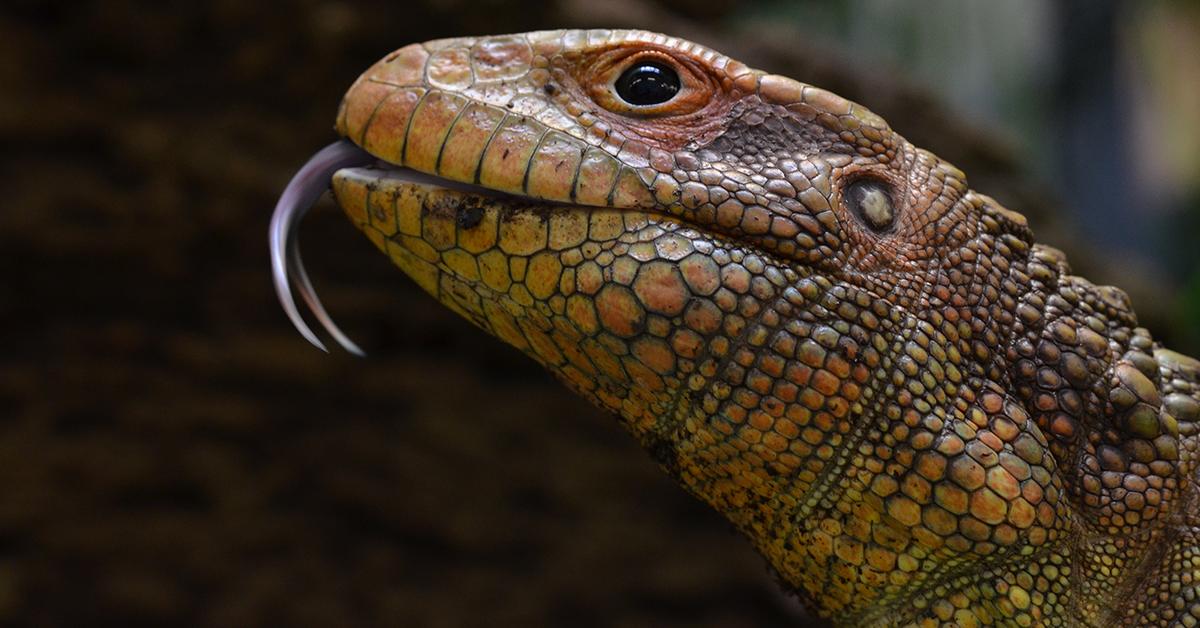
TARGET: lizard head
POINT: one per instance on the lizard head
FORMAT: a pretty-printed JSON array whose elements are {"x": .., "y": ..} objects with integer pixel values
[
  {"x": 781, "y": 298},
  {"x": 805, "y": 319}
]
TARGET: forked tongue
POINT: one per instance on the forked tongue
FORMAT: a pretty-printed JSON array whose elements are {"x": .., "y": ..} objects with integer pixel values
[{"x": 287, "y": 269}]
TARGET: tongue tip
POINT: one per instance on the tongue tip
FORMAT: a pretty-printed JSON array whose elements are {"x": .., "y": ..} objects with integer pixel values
[{"x": 304, "y": 189}]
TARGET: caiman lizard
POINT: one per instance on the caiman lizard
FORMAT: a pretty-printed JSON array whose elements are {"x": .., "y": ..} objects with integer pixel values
[{"x": 916, "y": 413}]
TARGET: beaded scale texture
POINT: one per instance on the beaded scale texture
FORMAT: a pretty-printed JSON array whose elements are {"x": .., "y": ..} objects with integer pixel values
[{"x": 915, "y": 413}]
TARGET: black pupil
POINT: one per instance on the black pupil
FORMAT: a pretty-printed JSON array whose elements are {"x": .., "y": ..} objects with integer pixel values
[{"x": 648, "y": 84}]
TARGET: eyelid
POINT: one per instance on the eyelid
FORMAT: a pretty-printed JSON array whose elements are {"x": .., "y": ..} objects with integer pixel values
[{"x": 696, "y": 87}]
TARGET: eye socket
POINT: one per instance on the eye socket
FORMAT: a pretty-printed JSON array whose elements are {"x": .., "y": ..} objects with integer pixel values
[
  {"x": 647, "y": 83},
  {"x": 871, "y": 203},
  {"x": 642, "y": 82}
]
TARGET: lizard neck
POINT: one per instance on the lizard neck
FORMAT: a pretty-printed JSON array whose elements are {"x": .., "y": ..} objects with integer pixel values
[{"x": 1118, "y": 411}]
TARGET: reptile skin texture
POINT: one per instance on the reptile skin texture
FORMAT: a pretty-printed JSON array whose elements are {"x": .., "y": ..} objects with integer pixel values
[{"x": 915, "y": 413}]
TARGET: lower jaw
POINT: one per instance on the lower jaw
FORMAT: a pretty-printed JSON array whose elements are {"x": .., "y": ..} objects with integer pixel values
[
  {"x": 555, "y": 281},
  {"x": 446, "y": 223},
  {"x": 618, "y": 334}
]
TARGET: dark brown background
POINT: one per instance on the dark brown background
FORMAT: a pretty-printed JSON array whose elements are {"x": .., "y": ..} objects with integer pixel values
[{"x": 171, "y": 451}]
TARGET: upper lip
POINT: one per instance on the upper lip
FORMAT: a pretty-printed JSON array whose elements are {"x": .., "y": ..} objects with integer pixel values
[{"x": 423, "y": 178}]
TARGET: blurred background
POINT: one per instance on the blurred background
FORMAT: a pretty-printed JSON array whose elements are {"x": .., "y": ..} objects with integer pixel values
[{"x": 172, "y": 452}]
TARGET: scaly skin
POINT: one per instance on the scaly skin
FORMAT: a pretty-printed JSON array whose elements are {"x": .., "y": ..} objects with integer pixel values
[{"x": 930, "y": 423}]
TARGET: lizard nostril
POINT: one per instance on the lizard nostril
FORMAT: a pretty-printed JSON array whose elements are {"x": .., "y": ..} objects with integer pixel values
[{"x": 870, "y": 202}]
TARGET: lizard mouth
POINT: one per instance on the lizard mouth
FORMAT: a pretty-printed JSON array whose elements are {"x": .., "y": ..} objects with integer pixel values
[
  {"x": 343, "y": 158},
  {"x": 305, "y": 188}
]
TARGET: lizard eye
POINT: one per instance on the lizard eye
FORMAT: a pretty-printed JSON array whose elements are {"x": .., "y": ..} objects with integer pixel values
[
  {"x": 647, "y": 83},
  {"x": 871, "y": 203}
]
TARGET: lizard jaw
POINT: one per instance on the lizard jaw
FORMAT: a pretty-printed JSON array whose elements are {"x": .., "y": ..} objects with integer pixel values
[
  {"x": 346, "y": 160},
  {"x": 305, "y": 188}
]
